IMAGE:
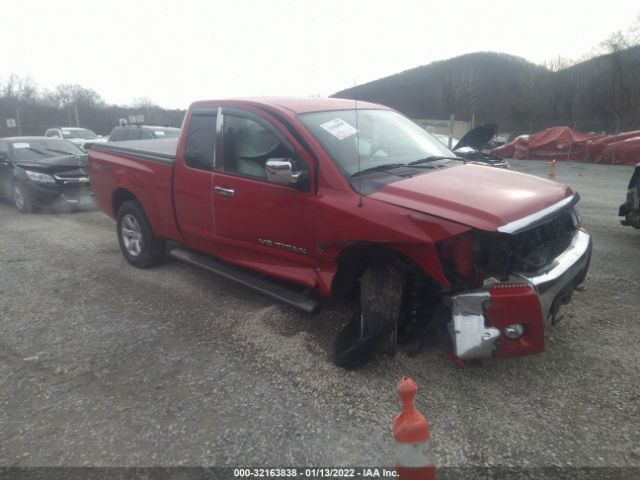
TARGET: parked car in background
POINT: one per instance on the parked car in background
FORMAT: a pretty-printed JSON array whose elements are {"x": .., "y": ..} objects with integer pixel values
[
  {"x": 40, "y": 172},
  {"x": 471, "y": 146},
  {"x": 142, "y": 132},
  {"x": 82, "y": 137},
  {"x": 291, "y": 189},
  {"x": 630, "y": 210}
]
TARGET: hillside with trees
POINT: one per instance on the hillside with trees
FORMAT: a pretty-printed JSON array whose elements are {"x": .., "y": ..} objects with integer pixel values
[{"x": 598, "y": 94}]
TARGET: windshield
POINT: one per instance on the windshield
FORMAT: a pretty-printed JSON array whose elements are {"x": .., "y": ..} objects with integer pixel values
[
  {"x": 444, "y": 139},
  {"x": 384, "y": 138},
  {"x": 78, "y": 133},
  {"x": 34, "y": 150}
]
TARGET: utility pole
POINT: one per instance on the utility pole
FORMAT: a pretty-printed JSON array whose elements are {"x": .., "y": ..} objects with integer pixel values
[
  {"x": 452, "y": 119},
  {"x": 18, "y": 121},
  {"x": 75, "y": 110}
]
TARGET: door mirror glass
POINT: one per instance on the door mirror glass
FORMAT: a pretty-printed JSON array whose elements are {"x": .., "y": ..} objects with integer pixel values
[{"x": 280, "y": 171}]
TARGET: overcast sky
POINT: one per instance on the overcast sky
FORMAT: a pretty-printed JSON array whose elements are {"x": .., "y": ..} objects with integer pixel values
[{"x": 179, "y": 51}]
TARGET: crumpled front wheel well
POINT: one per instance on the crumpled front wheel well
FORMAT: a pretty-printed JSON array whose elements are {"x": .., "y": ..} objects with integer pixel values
[{"x": 354, "y": 259}]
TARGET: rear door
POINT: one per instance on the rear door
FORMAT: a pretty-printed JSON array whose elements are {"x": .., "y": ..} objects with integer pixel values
[
  {"x": 266, "y": 221},
  {"x": 193, "y": 180}
]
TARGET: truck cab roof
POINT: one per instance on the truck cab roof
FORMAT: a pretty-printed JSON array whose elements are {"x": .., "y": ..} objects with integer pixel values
[{"x": 295, "y": 105}]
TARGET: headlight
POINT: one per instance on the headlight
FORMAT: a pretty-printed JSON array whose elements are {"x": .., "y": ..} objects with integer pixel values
[{"x": 40, "y": 177}]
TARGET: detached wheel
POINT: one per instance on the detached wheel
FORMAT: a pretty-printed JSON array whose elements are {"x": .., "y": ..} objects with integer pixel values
[
  {"x": 137, "y": 241},
  {"x": 21, "y": 199},
  {"x": 381, "y": 291}
]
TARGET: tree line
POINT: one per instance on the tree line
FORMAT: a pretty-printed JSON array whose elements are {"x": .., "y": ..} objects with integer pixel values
[{"x": 34, "y": 110}]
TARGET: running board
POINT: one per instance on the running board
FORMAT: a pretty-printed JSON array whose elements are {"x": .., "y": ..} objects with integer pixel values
[{"x": 249, "y": 279}]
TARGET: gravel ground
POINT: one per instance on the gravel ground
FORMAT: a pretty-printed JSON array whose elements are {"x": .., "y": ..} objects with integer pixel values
[{"x": 103, "y": 364}]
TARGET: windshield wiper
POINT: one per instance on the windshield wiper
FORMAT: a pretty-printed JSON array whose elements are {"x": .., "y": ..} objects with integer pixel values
[
  {"x": 433, "y": 158},
  {"x": 62, "y": 151},
  {"x": 379, "y": 168}
]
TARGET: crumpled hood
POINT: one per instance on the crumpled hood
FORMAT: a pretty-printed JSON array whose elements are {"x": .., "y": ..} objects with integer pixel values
[
  {"x": 57, "y": 164},
  {"x": 478, "y": 196}
]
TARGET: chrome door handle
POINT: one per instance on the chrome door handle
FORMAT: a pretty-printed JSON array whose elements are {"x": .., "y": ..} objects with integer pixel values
[{"x": 225, "y": 192}]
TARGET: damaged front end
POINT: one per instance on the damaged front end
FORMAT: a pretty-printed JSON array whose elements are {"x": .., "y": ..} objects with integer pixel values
[{"x": 515, "y": 283}]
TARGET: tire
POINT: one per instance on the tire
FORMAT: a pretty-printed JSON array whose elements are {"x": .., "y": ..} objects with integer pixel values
[
  {"x": 138, "y": 243},
  {"x": 21, "y": 199},
  {"x": 381, "y": 292}
]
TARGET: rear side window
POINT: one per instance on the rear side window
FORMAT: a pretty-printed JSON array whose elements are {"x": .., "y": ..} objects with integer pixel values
[
  {"x": 147, "y": 135},
  {"x": 117, "y": 134},
  {"x": 201, "y": 139},
  {"x": 133, "y": 134}
]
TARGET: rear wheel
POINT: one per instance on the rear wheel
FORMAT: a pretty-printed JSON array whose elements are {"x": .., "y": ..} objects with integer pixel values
[
  {"x": 375, "y": 324},
  {"x": 137, "y": 241},
  {"x": 21, "y": 199}
]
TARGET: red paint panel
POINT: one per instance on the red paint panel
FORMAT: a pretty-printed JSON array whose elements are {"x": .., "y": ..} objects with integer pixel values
[
  {"x": 150, "y": 182},
  {"x": 510, "y": 304},
  {"x": 484, "y": 198}
]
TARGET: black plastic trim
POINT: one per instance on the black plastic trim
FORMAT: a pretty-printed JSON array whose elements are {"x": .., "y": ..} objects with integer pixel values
[
  {"x": 154, "y": 157},
  {"x": 249, "y": 279}
]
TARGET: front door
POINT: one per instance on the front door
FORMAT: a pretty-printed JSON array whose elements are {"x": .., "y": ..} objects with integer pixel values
[{"x": 270, "y": 223}]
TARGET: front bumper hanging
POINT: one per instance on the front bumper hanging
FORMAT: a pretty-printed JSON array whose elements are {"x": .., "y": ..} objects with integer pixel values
[{"x": 480, "y": 317}]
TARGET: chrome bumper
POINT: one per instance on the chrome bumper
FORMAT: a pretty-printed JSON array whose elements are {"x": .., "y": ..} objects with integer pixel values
[
  {"x": 471, "y": 330},
  {"x": 566, "y": 272}
]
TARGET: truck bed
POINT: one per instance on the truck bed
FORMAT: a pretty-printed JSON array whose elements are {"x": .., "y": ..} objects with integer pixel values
[
  {"x": 139, "y": 168},
  {"x": 163, "y": 150}
]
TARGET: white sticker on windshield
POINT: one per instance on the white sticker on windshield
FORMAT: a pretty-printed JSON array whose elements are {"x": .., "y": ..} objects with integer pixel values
[
  {"x": 66, "y": 132},
  {"x": 339, "y": 128},
  {"x": 159, "y": 133},
  {"x": 21, "y": 145}
]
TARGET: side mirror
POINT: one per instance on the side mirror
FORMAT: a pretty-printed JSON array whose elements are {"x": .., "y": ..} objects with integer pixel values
[
  {"x": 280, "y": 171},
  {"x": 4, "y": 158}
]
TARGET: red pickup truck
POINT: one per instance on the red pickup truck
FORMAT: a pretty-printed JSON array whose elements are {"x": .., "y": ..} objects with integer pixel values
[{"x": 304, "y": 198}]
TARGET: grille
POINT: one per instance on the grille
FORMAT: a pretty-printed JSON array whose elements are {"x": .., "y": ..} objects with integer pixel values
[
  {"x": 528, "y": 251},
  {"x": 531, "y": 250}
]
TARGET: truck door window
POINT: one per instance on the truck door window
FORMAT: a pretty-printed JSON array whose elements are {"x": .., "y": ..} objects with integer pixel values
[
  {"x": 201, "y": 138},
  {"x": 247, "y": 146}
]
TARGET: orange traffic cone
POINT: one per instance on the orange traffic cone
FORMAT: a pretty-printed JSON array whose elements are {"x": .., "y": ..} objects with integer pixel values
[
  {"x": 552, "y": 169},
  {"x": 414, "y": 460}
]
